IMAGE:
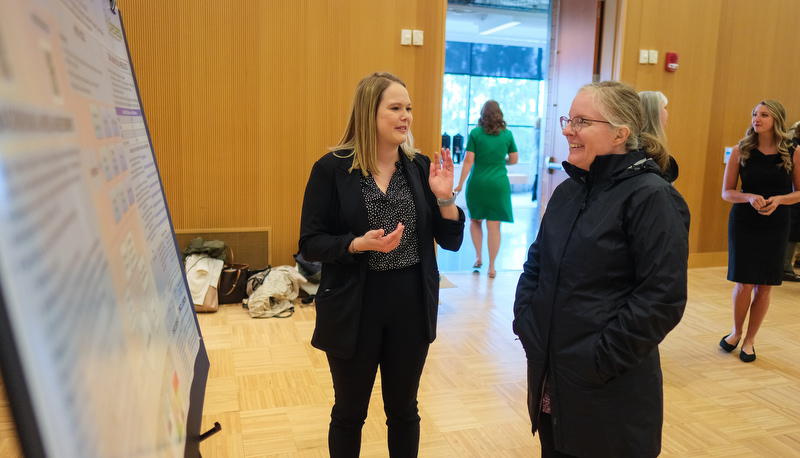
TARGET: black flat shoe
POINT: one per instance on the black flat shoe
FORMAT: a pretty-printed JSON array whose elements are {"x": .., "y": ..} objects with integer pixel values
[
  {"x": 790, "y": 276},
  {"x": 726, "y": 346},
  {"x": 747, "y": 358}
]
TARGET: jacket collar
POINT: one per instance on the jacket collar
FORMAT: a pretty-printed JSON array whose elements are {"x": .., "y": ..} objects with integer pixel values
[
  {"x": 345, "y": 159},
  {"x": 613, "y": 167}
]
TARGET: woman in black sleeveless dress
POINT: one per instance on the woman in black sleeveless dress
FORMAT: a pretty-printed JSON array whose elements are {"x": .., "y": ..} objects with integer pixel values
[{"x": 758, "y": 227}]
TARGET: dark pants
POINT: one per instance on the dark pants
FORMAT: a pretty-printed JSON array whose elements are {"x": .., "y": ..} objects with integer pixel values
[
  {"x": 391, "y": 336},
  {"x": 545, "y": 428}
]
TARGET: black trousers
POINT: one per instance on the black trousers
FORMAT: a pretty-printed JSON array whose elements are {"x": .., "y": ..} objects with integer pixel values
[
  {"x": 392, "y": 337},
  {"x": 545, "y": 428}
]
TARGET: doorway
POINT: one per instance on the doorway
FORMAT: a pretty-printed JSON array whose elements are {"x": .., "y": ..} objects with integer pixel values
[
  {"x": 498, "y": 52},
  {"x": 576, "y": 56}
]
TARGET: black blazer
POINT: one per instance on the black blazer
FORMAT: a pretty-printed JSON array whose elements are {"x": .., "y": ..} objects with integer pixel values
[{"x": 334, "y": 213}]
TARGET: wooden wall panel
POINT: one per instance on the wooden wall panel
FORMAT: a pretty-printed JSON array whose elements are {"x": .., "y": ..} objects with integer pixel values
[
  {"x": 242, "y": 97},
  {"x": 733, "y": 54},
  {"x": 761, "y": 61},
  {"x": 691, "y": 29}
]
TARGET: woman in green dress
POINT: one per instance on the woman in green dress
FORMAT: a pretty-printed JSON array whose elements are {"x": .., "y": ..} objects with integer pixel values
[{"x": 490, "y": 148}]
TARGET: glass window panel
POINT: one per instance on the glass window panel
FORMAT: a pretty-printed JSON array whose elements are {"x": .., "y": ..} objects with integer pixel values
[
  {"x": 527, "y": 140},
  {"x": 457, "y": 57},
  {"x": 482, "y": 59},
  {"x": 454, "y": 105},
  {"x": 506, "y": 61},
  {"x": 519, "y": 99}
]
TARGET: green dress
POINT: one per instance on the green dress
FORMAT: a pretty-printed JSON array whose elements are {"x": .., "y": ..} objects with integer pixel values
[{"x": 488, "y": 189}]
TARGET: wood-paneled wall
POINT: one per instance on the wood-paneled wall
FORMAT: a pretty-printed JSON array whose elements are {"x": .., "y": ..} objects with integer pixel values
[
  {"x": 732, "y": 55},
  {"x": 242, "y": 97}
]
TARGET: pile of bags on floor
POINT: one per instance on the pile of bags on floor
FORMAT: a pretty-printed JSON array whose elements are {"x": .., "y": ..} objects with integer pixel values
[
  {"x": 272, "y": 295},
  {"x": 203, "y": 262},
  {"x": 265, "y": 293}
]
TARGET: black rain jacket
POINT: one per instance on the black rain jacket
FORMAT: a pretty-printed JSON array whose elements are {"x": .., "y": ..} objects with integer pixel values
[{"x": 604, "y": 283}]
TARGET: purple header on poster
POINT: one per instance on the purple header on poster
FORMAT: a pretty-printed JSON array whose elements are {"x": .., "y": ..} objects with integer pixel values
[{"x": 128, "y": 112}]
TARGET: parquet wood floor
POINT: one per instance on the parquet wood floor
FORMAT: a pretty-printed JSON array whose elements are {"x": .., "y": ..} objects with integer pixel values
[{"x": 272, "y": 393}]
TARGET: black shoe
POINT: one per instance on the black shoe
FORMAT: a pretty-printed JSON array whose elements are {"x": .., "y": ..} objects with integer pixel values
[
  {"x": 790, "y": 276},
  {"x": 726, "y": 346},
  {"x": 747, "y": 358}
]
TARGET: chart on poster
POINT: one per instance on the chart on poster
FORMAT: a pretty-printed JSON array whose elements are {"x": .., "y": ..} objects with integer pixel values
[{"x": 99, "y": 343}]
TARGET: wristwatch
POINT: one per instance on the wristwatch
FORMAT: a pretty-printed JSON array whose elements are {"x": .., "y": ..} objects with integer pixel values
[{"x": 446, "y": 202}]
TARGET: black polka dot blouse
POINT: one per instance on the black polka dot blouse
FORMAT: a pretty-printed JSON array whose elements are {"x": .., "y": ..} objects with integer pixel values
[{"x": 384, "y": 211}]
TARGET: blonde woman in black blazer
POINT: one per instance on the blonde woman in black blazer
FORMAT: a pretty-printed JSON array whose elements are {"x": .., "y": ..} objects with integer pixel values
[{"x": 372, "y": 210}]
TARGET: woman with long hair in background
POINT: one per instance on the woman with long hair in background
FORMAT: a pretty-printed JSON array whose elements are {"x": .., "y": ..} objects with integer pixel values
[
  {"x": 490, "y": 148},
  {"x": 758, "y": 225},
  {"x": 654, "y": 106}
]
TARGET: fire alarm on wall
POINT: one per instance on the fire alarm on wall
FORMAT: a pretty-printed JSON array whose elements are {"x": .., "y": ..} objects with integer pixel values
[{"x": 671, "y": 62}]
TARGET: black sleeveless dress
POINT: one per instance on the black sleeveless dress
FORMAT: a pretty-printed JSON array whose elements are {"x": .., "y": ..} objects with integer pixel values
[{"x": 756, "y": 243}]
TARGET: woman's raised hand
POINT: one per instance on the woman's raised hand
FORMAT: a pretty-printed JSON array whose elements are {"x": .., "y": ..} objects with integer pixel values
[{"x": 441, "y": 174}]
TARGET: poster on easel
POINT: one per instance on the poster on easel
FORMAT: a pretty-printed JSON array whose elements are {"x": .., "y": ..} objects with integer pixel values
[{"x": 99, "y": 341}]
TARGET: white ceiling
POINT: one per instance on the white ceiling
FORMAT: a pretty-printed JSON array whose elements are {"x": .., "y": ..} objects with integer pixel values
[{"x": 464, "y": 23}]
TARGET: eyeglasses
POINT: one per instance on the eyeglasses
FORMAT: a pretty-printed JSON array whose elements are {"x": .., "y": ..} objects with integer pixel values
[{"x": 577, "y": 122}]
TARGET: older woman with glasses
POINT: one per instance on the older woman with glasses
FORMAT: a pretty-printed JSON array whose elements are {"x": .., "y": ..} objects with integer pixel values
[{"x": 604, "y": 283}]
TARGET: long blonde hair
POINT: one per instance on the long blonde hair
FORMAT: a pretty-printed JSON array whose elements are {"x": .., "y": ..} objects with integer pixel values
[
  {"x": 361, "y": 134},
  {"x": 782, "y": 140},
  {"x": 620, "y": 105}
]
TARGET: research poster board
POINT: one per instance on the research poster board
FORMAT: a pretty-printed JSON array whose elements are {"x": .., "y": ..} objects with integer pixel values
[{"x": 99, "y": 342}]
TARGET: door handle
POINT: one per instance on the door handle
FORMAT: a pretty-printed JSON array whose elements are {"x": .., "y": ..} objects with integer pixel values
[{"x": 553, "y": 165}]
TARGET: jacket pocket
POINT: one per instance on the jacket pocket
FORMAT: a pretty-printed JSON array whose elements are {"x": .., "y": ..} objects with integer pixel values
[
  {"x": 583, "y": 369},
  {"x": 328, "y": 295}
]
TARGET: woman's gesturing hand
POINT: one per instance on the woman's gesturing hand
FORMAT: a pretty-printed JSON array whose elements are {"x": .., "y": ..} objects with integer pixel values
[
  {"x": 376, "y": 241},
  {"x": 441, "y": 174}
]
